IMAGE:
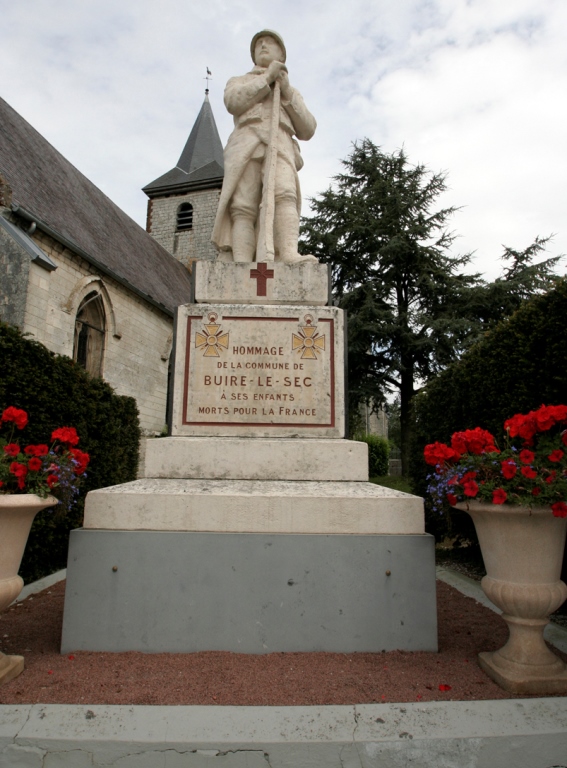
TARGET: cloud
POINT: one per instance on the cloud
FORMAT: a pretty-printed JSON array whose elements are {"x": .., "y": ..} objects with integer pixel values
[{"x": 473, "y": 87}]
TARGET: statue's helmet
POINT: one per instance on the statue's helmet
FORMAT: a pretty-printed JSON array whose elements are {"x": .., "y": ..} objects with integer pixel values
[{"x": 267, "y": 33}]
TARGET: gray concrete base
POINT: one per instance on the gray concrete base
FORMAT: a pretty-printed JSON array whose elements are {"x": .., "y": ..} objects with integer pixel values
[
  {"x": 166, "y": 591},
  {"x": 459, "y": 734}
]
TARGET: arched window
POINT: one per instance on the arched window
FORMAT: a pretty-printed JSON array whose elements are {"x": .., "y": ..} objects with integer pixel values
[
  {"x": 90, "y": 329},
  {"x": 184, "y": 217}
]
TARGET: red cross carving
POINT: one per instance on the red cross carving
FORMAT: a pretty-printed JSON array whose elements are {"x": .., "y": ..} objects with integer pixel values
[{"x": 261, "y": 274}]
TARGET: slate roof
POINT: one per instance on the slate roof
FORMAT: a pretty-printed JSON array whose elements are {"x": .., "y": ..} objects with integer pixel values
[
  {"x": 201, "y": 165},
  {"x": 50, "y": 190}
]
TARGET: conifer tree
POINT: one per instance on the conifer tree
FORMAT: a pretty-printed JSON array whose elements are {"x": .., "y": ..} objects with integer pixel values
[{"x": 411, "y": 307}]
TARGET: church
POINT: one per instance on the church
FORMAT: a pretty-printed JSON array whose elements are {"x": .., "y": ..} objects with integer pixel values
[{"x": 80, "y": 276}]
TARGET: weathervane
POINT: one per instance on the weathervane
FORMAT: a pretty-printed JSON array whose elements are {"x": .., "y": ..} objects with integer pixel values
[{"x": 207, "y": 78}]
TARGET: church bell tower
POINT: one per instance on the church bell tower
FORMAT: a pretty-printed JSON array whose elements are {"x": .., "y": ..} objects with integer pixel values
[{"x": 183, "y": 202}]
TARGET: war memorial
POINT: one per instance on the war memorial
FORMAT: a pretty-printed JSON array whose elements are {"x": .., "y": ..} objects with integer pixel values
[{"x": 255, "y": 528}]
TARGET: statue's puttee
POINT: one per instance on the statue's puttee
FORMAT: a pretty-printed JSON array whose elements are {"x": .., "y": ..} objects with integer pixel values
[{"x": 260, "y": 202}]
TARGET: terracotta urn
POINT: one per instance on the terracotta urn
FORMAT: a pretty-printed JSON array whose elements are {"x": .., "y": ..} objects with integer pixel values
[
  {"x": 16, "y": 518},
  {"x": 522, "y": 550}
]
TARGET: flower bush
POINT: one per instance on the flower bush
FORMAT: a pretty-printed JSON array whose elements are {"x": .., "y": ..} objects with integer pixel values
[
  {"x": 530, "y": 469},
  {"x": 42, "y": 469}
]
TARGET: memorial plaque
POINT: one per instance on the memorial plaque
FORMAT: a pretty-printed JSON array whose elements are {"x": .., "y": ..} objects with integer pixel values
[{"x": 259, "y": 371}]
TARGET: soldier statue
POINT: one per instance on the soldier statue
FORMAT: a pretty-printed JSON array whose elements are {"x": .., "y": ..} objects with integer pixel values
[{"x": 259, "y": 207}]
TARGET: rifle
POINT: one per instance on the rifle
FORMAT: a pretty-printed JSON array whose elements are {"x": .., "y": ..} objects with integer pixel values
[{"x": 266, "y": 250}]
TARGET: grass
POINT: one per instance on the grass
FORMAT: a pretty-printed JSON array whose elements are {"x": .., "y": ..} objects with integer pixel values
[{"x": 395, "y": 482}]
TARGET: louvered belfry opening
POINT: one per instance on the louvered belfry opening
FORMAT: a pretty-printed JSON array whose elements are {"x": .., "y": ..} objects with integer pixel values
[{"x": 184, "y": 217}]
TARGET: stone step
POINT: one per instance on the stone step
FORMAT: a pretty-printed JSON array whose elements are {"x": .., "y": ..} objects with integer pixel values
[
  {"x": 254, "y": 506},
  {"x": 233, "y": 458}
]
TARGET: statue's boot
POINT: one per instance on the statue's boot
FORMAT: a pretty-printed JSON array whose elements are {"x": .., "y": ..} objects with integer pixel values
[{"x": 286, "y": 234}]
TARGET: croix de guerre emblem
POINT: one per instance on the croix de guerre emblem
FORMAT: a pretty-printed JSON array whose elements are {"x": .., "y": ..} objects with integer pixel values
[
  {"x": 212, "y": 340},
  {"x": 307, "y": 341}
]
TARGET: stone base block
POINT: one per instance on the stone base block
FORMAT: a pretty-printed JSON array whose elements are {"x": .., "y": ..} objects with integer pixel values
[
  {"x": 254, "y": 506},
  {"x": 233, "y": 458},
  {"x": 525, "y": 678},
  {"x": 218, "y": 282},
  {"x": 183, "y": 592}
]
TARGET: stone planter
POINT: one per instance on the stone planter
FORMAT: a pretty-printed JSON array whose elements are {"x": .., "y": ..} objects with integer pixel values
[
  {"x": 522, "y": 550},
  {"x": 16, "y": 518}
]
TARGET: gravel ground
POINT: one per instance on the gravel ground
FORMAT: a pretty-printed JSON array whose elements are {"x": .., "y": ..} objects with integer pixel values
[{"x": 33, "y": 629}]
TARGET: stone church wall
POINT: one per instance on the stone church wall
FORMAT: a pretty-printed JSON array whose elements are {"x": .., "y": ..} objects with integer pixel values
[
  {"x": 190, "y": 244},
  {"x": 137, "y": 339},
  {"x": 14, "y": 270}
]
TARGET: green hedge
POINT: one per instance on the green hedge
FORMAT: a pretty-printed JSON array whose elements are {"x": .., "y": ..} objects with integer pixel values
[
  {"x": 518, "y": 366},
  {"x": 378, "y": 454},
  {"x": 57, "y": 392}
]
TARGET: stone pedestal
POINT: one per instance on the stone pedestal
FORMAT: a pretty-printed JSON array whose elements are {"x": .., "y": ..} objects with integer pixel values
[{"x": 255, "y": 529}]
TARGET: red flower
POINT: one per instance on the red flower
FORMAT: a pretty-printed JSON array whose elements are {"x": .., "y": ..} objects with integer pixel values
[
  {"x": 548, "y": 415},
  {"x": 556, "y": 455},
  {"x": 527, "y": 457},
  {"x": 509, "y": 468},
  {"x": 52, "y": 480},
  {"x": 19, "y": 417},
  {"x": 12, "y": 449},
  {"x": 474, "y": 441},
  {"x": 34, "y": 464},
  {"x": 564, "y": 437},
  {"x": 536, "y": 491},
  {"x": 66, "y": 435},
  {"x": 544, "y": 418},
  {"x": 437, "y": 453},
  {"x": 559, "y": 509},
  {"x": 36, "y": 450},
  {"x": 524, "y": 426},
  {"x": 452, "y": 499},
  {"x": 551, "y": 477},
  {"x": 559, "y": 412},
  {"x": 19, "y": 471},
  {"x": 529, "y": 473},
  {"x": 470, "y": 488},
  {"x": 468, "y": 476},
  {"x": 499, "y": 496},
  {"x": 82, "y": 460}
]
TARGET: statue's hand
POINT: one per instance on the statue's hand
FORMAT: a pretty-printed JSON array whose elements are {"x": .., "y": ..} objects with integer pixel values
[
  {"x": 286, "y": 89},
  {"x": 274, "y": 71}
]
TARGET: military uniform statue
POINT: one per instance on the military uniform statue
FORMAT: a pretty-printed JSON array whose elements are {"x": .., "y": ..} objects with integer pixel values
[{"x": 260, "y": 202}]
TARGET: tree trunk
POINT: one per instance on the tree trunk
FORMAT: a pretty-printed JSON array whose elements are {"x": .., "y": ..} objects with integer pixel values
[{"x": 406, "y": 418}]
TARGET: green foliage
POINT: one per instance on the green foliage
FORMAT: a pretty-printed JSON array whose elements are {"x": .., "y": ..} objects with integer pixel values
[
  {"x": 411, "y": 308},
  {"x": 393, "y": 411},
  {"x": 519, "y": 365},
  {"x": 391, "y": 271},
  {"x": 378, "y": 454},
  {"x": 396, "y": 482},
  {"x": 56, "y": 392}
]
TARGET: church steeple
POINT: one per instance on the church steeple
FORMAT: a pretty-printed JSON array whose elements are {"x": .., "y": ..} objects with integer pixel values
[
  {"x": 183, "y": 202},
  {"x": 200, "y": 165}
]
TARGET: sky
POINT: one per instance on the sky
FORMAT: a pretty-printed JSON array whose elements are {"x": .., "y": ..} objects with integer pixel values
[{"x": 473, "y": 88}]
